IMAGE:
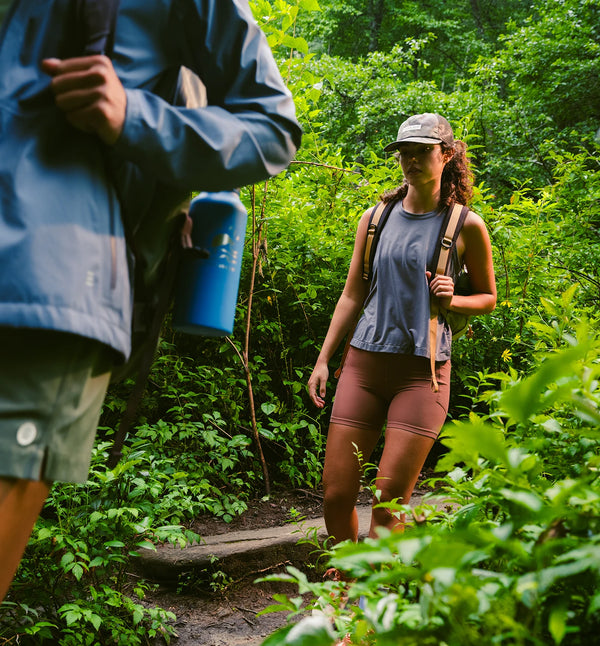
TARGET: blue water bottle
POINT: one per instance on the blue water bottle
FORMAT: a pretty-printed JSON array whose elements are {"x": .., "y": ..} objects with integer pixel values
[{"x": 209, "y": 274}]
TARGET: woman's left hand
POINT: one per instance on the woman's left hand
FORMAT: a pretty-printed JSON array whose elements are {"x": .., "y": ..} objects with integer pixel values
[{"x": 442, "y": 287}]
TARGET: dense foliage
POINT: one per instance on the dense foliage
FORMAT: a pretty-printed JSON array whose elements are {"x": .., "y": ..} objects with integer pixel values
[
  {"x": 507, "y": 549},
  {"x": 515, "y": 558}
]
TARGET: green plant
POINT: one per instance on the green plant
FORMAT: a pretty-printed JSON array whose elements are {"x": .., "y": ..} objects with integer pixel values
[
  {"x": 73, "y": 584},
  {"x": 514, "y": 556}
]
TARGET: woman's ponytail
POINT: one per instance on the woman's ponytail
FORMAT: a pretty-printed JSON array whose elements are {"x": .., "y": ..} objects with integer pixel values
[{"x": 457, "y": 178}]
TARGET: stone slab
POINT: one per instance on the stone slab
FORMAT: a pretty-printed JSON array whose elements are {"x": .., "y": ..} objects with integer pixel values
[{"x": 251, "y": 551}]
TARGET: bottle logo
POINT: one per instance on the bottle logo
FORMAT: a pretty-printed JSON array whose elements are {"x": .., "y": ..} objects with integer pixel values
[{"x": 226, "y": 254}]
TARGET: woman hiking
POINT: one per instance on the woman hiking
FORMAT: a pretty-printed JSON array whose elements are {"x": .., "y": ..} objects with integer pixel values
[{"x": 387, "y": 375}]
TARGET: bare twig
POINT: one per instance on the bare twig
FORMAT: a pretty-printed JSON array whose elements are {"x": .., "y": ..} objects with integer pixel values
[
  {"x": 594, "y": 281},
  {"x": 257, "y": 232},
  {"x": 320, "y": 165}
]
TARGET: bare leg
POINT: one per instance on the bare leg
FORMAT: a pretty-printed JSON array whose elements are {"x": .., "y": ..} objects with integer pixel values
[
  {"x": 342, "y": 476},
  {"x": 20, "y": 504},
  {"x": 403, "y": 457}
]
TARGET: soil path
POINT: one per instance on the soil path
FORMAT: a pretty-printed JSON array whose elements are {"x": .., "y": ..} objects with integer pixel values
[
  {"x": 217, "y": 601},
  {"x": 229, "y": 619}
]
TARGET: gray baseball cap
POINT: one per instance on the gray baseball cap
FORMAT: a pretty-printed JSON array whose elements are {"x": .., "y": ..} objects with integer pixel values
[{"x": 423, "y": 129}]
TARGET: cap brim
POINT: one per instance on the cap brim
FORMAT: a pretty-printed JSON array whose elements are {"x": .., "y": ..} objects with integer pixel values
[{"x": 415, "y": 140}]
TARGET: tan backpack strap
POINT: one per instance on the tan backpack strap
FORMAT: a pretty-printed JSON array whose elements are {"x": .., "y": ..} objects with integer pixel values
[
  {"x": 448, "y": 239},
  {"x": 446, "y": 244},
  {"x": 433, "y": 331},
  {"x": 373, "y": 223}
]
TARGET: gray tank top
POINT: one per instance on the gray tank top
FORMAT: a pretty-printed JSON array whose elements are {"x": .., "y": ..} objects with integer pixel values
[{"x": 396, "y": 312}]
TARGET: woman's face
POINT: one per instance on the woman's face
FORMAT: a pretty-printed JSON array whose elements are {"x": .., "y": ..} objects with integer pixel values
[{"x": 422, "y": 163}]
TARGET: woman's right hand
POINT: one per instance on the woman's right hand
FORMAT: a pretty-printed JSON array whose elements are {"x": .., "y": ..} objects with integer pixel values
[{"x": 317, "y": 384}]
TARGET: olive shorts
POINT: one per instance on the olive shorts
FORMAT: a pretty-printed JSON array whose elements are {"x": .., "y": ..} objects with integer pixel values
[{"x": 52, "y": 386}]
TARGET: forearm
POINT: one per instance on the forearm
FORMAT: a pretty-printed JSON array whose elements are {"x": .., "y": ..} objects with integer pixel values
[
  {"x": 344, "y": 317},
  {"x": 473, "y": 305},
  {"x": 478, "y": 261},
  {"x": 206, "y": 148},
  {"x": 247, "y": 132}
]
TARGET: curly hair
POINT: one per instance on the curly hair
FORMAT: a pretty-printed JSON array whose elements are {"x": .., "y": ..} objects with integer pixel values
[{"x": 457, "y": 179}]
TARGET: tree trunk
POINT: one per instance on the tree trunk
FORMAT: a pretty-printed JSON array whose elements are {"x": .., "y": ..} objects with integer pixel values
[
  {"x": 376, "y": 9},
  {"x": 476, "y": 11}
]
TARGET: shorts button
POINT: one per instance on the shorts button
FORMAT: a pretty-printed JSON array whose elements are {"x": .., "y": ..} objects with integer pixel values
[{"x": 26, "y": 433}]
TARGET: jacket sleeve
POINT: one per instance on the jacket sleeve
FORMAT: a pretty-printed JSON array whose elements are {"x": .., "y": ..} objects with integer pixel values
[{"x": 246, "y": 133}]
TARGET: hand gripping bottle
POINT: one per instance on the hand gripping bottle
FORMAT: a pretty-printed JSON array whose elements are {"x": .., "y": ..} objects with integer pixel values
[{"x": 209, "y": 273}]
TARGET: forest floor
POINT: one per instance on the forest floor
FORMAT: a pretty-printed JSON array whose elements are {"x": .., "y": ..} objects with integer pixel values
[
  {"x": 221, "y": 610},
  {"x": 218, "y": 609}
]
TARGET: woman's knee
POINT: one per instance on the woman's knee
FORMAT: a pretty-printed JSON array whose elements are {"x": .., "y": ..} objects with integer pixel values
[{"x": 335, "y": 496}]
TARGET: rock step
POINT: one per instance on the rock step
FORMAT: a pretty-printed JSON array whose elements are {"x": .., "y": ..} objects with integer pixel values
[{"x": 248, "y": 551}]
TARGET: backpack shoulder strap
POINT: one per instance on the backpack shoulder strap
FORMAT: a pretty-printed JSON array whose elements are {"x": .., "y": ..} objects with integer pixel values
[
  {"x": 97, "y": 20},
  {"x": 379, "y": 216},
  {"x": 453, "y": 222}
]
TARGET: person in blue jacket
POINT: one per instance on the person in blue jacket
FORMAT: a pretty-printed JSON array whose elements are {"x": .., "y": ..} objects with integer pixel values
[{"x": 72, "y": 127}]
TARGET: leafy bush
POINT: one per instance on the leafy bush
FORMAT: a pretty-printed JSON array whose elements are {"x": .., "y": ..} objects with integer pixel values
[
  {"x": 73, "y": 585},
  {"x": 513, "y": 555}
]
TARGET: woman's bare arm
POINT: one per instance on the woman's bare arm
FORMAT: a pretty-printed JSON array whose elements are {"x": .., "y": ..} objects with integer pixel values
[
  {"x": 344, "y": 316},
  {"x": 475, "y": 248}
]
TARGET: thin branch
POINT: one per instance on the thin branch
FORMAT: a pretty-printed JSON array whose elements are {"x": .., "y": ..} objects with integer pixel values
[
  {"x": 308, "y": 163},
  {"x": 256, "y": 243},
  {"x": 578, "y": 273}
]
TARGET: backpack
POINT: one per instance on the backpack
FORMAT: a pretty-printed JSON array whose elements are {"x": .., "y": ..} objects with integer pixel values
[{"x": 156, "y": 237}]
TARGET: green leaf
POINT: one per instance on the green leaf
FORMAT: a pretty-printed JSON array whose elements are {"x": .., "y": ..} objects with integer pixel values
[
  {"x": 470, "y": 441},
  {"x": 72, "y": 617},
  {"x": 96, "y": 621},
  {"x": 138, "y": 615},
  {"x": 557, "y": 622},
  {"x": 99, "y": 560},
  {"x": 267, "y": 408},
  {"x": 315, "y": 630},
  {"x": 527, "y": 499},
  {"x": 530, "y": 395},
  {"x": 310, "y": 5},
  {"x": 77, "y": 571},
  {"x": 67, "y": 558},
  {"x": 285, "y": 604},
  {"x": 278, "y": 638}
]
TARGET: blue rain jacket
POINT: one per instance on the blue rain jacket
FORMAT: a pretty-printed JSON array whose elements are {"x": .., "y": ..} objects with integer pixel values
[{"x": 63, "y": 257}]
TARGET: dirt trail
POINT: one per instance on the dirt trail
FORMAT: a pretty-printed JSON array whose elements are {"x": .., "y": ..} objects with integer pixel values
[
  {"x": 223, "y": 620},
  {"x": 229, "y": 618}
]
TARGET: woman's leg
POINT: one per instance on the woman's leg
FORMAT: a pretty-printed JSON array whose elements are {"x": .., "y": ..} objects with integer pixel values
[
  {"x": 347, "y": 450},
  {"x": 356, "y": 420},
  {"x": 403, "y": 457},
  {"x": 416, "y": 415}
]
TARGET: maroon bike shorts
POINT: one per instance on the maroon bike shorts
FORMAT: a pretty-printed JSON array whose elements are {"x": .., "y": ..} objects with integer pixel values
[{"x": 376, "y": 387}]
